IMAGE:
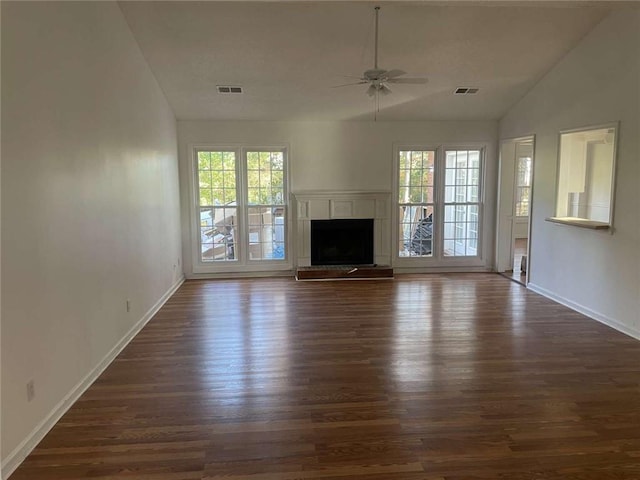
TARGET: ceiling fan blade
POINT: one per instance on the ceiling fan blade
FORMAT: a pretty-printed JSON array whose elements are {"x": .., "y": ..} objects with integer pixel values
[
  {"x": 414, "y": 81},
  {"x": 349, "y": 84},
  {"x": 384, "y": 90},
  {"x": 394, "y": 73},
  {"x": 371, "y": 91}
]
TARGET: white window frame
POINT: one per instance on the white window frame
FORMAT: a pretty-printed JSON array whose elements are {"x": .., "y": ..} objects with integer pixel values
[
  {"x": 517, "y": 187},
  {"x": 606, "y": 225},
  {"x": 242, "y": 263},
  {"x": 438, "y": 259},
  {"x": 397, "y": 203}
]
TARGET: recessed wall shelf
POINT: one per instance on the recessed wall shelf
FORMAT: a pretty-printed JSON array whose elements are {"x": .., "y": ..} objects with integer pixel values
[{"x": 579, "y": 222}]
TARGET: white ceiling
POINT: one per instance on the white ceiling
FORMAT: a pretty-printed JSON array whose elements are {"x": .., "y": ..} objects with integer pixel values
[{"x": 288, "y": 55}]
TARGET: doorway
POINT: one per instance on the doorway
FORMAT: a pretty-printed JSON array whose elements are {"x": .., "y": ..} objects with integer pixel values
[{"x": 514, "y": 208}]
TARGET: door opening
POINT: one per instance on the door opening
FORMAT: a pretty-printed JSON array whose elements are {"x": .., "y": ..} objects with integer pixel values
[{"x": 514, "y": 208}]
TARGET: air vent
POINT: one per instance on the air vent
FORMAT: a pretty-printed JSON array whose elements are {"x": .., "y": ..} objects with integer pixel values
[
  {"x": 466, "y": 91},
  {"x": 229, "y": 89}
]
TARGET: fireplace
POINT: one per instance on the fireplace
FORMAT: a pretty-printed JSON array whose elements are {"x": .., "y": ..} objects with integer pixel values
[{"x": 342, "y": 242}]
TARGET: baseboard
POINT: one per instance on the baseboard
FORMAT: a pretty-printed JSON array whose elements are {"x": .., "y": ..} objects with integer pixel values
[
  {"x": 449, "y": 269},
  {"x": 17, "y": 456},
  {"x": 232, "y": 275},
  {"x": 599, "y": 317}
]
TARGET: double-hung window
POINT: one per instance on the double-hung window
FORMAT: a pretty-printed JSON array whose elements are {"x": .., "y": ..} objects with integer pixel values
[
  {"x": 416, "y": 202},
  {"x": 461, "y": 203},
  {"x": 241, "y": 208},
  {"x": 439, "y": 202}
]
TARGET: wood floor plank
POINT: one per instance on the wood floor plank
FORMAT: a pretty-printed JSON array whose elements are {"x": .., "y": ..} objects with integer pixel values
[{"x": 425, "y": 377}]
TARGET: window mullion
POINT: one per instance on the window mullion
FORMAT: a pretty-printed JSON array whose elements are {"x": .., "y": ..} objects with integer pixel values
[
  {"x": 243, "y": 201},
  {"x": 439, "y": 195}
]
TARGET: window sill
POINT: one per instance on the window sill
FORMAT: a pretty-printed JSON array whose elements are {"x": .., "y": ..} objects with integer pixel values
[{"x": 579, "y": 222}]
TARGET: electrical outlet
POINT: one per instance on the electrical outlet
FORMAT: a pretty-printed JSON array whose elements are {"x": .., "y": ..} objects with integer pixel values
[
  {"x": 31, "y": 390},
  {"x": 128, "y": 305}
]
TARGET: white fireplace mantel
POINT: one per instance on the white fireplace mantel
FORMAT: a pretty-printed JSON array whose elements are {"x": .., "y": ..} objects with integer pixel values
[{"x": 326, "y": 205}]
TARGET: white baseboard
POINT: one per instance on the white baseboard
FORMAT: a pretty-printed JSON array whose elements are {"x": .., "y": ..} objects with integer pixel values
[
  {"x": 448, "y": 269},
  {"x": 17, "y": 456},
  {"x": 610, "y": 322}
]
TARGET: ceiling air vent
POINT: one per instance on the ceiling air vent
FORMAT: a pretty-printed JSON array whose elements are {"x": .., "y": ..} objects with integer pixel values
[
  {"x": 466, "y": 91},
  {"x": 229, "y": 89}
]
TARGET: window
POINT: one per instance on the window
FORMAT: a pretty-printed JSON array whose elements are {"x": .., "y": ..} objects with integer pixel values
[
  {"x": 461, "y": 202},
  {"x": 266, "y": 209},
  {"x": 242, "y": 206},
  {"x": 523, "y": 186},
  {"x": 218, "y": 207},
  {"x": 586, "y": 177},
  {"x": 415, "y": 198},
  {"x": 439, "y": 202}
]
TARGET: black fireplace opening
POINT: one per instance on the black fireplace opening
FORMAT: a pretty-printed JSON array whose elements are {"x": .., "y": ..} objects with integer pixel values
[{"x": 342, "y": 242}]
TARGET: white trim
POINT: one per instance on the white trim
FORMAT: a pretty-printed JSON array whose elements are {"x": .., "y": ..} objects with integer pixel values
[
  {"x": 437, "y": 259},
  {"x": 17, "y": 456},
  {"x": 615, "y": 125},
  {"x": 599, "y": 317},
  {"x": 322, "y": 205},
  {"x": 513, "y": 218},
  {"x": 425, "y": 269},
  {"x": 249, "y": 274},
  {"x": 242, "y": 263}
]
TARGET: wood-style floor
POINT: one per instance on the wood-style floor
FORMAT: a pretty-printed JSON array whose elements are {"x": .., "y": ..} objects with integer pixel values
[
  {"x": 519, "y": 251},
  {"x": 432, "y": 377}
]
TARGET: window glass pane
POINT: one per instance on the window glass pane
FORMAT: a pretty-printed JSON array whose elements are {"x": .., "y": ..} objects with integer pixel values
[
  {"x": 474, "y": 159},
  {"x": 253, "y": 161},
  {"x": 253, "y": 196},
  {"x": 253, "y": 178},
  {"x": 266, "y": 227},
  {"x": 229, "y": 185},
  {"x": 523, "y": 179},
  {"x": 522, "y": 201},
  {"x": 524, "y": 171},
  {"x": 277, "y": 180},
  {"x": 216, "y": 160},
  {"x": 461, "y": 230},
  {"x": 217, "y": 234},
  {"x": 415, "y": 231},
  {"x": 205, "y": 179},
  {"x": 206, "y": 196},
  {"x": 229, "y": 161},
  {"x": 277, "y": 161},
  {"x": 451, "y": 159},
  {"x": 204, "y": 160}
]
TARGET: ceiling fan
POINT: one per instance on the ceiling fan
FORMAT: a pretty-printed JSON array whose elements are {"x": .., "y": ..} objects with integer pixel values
[{"x": 379, "y": 79}]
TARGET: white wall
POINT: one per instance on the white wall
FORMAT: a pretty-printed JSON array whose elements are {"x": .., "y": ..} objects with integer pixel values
[
  {"x": 1, "y": 476},
  {"x": 90, "y": 202},
  {"x": 596, "y": 83},
  {"x": 339, "y": 156}
]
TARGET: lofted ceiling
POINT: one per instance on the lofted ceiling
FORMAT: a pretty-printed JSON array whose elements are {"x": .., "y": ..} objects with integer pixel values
[{"x": 287, "y": 56}]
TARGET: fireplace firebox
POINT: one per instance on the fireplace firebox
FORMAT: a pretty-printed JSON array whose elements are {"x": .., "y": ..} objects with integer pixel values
[{"x": 342, "y": 242}]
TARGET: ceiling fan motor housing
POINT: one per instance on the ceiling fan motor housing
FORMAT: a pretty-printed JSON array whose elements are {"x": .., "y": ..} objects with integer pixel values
[{"x": 374, "y": 74}]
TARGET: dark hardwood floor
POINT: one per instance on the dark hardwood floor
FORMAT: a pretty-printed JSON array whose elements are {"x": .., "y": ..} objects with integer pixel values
[{"x": 433, "y": 377}]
